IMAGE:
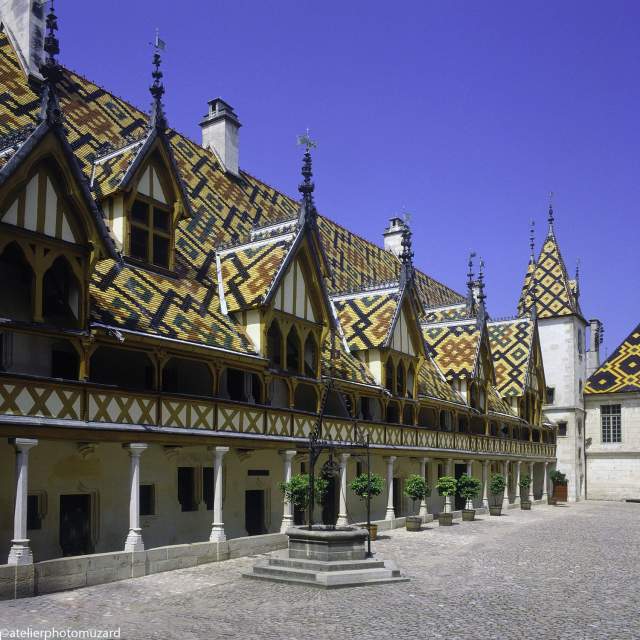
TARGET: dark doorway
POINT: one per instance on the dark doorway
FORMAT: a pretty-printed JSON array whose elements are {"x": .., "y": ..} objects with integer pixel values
[
  {"x": 397, "y": 497},
  {"x": 75, "y": 524},
  {"x": 330, "y": 505},
  {"x": 254, "y": 512},
  {"x": 460, "y": 470}
]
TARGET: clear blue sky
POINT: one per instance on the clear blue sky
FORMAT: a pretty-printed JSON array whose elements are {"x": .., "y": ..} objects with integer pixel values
[{"x": 466, "y": 114}]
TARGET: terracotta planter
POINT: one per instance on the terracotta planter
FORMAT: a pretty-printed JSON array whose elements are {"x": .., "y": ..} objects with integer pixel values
[
  {"x": 560, "y": 492},
  {"x": 525, "y": 505},
  {"x": 495, "y": 511},
  {"x": 468, "y": 515},
  {"x": 413, "y": 523},
  {"x": 445, "y": 519},
  {"x": 373, "y": 531}
]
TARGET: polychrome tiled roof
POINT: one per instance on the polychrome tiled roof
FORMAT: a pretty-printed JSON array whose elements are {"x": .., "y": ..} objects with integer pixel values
[
  {"x": 139, "y": 300},
  {"x": 549, "y": 284},
  {"x": 366, "y": 320},
  {"x": 108, "y": 173},
  {"x": 432, "y": 384},
  {"x": 497, "y": 404},
  {"x": 454, "y": 347},
  {"x": 344, "y": 365},
  {"x": 457, "y": 311},
  {"x": 511, "y": 343},
  {"x": 620, "y": 373}
]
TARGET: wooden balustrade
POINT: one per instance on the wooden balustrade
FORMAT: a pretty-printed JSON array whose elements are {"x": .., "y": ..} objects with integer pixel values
[{"x": 25, "y": 397}]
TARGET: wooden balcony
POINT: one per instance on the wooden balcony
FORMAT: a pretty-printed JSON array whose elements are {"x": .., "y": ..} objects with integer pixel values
[{"x": 50, "y": 402}]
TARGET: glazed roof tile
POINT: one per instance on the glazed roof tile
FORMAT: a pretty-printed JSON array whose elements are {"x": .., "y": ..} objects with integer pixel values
[
  {"x": 432, "y": 384},
  {"x": 511, "y": 343},
  {"x": 454, "y": 347},
  {"x": 620, "y": 372}
]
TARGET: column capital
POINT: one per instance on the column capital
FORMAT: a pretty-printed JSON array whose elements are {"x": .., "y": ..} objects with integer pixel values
[
  {"x": 426, "y": 459},
  {"x": 23, "y": 444},
  {"x": 344, "y": 457},
  {"x": 546, "y": 463},
  {"x": 390, "y": 459},
  {"x": 219, "y": 452},
  {"x": 135, "y": 448},
  {"x": 289, "y": 454},
  {"x": 486, "y": 463}
]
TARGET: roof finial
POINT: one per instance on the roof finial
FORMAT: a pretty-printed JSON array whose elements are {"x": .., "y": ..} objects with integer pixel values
[
  {"x": 51, "y": 71},
  {"x": 406, "y": 256},
  {"x": 532, "y": 241},
  {"x": 470, "y": 283},
  {"x": 158, "y": 117},
  {"x": 481, "y": 295},
  {"x": 306, "y": 187},
  {"x": 577, "y": 291},
  {"x": 551, "y": 216}
]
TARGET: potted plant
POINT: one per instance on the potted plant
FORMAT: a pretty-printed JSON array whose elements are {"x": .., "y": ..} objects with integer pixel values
[
  {"x": 525, "y": 483},
  {"x": 416, "y": 488},
  {"x": 364, "y": 486},
  {"x": 296, "y": 491},
  {"x": 497, "y": 485},
  {"x": 446, "y": 487},
  {"x": 468, "y": 488},
  {"x": 560, "y": 482}
]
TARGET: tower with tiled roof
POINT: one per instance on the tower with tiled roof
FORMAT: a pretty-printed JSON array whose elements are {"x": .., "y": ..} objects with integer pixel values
[{"x": 553, "y": 298}]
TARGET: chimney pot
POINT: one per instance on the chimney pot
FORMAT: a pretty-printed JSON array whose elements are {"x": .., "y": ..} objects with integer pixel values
[
  {"x": 220, "y": 132},
  {"x": 393, "y": 236}
]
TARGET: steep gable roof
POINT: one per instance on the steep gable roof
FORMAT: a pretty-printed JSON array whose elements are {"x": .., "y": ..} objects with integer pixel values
[
  {"x": 454, "y": 346},
  {"x": 620, "y": 373},
  {"x": 511, "y": 344}
]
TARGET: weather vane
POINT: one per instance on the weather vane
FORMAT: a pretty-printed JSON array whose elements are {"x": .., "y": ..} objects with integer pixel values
[{"x": 306, "y": 141}]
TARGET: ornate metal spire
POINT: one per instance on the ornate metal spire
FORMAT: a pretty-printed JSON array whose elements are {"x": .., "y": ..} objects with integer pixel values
[
  {"x": 532, "y": 241},
  {"x": 406, "y": 256},
  {"x": 577, "y": 278},
  {"x": 51, "y": 71},
  {"x": 482, "y": 312},
  {"x": 308, "y": 209},
  {"x": 158, "y": 116},
  {"x": 551, "y": 217},
  {"x": 470, "y": 284}
]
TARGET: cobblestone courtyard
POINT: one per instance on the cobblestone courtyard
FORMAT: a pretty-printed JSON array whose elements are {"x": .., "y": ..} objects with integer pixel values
[{"x": 564, "y": 572}]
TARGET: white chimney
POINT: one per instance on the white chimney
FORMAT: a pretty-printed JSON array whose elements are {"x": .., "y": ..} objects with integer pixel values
[
  {"x": 393, "y": 236},
  {"x": 23, "y": 22},
  {"x": 220, "y": 133}
]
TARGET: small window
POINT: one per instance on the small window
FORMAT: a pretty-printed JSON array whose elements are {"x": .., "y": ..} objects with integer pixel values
[
  {"x": 550, "y": 395},
  {"x": 187, "y": 489},
  {"x": 34, "y": 512},
  {"x": 611, "y": 423},
  {"x": 150, "y": 233},
  {"x": 147, "y": 500},
  {"x": 207, "y": 487},
  {"x": 562, "y": 429}
]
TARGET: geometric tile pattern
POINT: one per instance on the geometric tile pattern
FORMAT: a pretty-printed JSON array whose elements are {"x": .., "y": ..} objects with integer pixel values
[
  {"x": 511, "y": 344},
  {"x": 449, "y": 312},
  {"x": 345, "y": 366},
  {"x": 247, "y": 274},
  {"x": 108, "y": 174},
  {"x": 454, "y": 347},
  {"x": 497, "y": 404},
  {"x": 432, "y": 383},
  {"x": 620, "y": 373},
  {"x": 366, "y": 320},
  {"x": 151, "y": 303},
  {"x": 554, "y": 296}
]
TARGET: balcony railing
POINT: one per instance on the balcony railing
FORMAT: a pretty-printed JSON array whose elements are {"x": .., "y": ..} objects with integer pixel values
[{"x": 81, "y": 402}]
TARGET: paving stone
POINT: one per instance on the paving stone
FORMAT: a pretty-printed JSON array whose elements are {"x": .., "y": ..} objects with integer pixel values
[{"x": 553, "y": 572}]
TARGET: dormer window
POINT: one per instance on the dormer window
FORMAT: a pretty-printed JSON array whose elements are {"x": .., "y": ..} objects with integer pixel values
[{"x": 150, "y": 236}]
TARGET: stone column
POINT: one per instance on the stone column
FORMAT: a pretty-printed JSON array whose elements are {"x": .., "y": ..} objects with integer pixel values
[
  {"x": 516, "y": 499},
  {"x": 391, "y": 514},
  {"x": 485, "y": 483},
  {"x": 545, "y": 483},
  {"x": 505, "y": 473},
  {"x": 469, "y": 472},
  {"x": 217, "y": 528},
  {"x": 134, "y": 540},
  {"x": 530, "y": 494},
  {"x": 343, "y": 518},
  {"x": 447, "y": 501},
  {"x": 287, "y": 512},
  {"x": 20, "y": 552},
  {"x": 423, "y": 503}
]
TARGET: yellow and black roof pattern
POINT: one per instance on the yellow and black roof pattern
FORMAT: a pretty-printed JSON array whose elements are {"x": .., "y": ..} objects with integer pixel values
[
  {"x": 454, "y": 346},
  {"x": 448, "y": 312},
  {"x": 432, "y": 384},
  {"x": 549, "y": 284},
  {"x": 366, "y": 320},
  {"x": 343, "y": 365},
  {"x": 108, "y": 172},
  {"x": 497, "y": 404},
  {"x": 620, "y": 373},
  {"x": 147, "y": 302},
  {"x": 511, "y": 344}
]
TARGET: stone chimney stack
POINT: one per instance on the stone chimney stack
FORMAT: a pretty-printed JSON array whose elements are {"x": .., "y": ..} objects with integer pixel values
[
  {"x": 23, "y": 22},
  {"x": 220, "y": 132},
  {"x": 596, "y": 332},
  {"x": 393, "y": 236}
]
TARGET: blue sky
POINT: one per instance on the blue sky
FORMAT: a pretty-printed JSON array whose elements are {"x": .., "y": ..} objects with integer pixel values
[{"x": 465, "y": 114}]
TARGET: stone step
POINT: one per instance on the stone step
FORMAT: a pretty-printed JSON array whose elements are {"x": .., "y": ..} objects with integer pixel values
[{"x": 315, "y": 565}]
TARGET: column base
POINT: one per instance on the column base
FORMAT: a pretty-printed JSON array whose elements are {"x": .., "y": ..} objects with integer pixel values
[
  {"x": 516, "y": 500},
  {"x": 342, "y": 520},
  {"x": 287, "y": 522},
  {"x": 134, "y": 541},
  {"x": 390, "y": 514},
  {"x": 217, "y": 533},
  {"x": 20, "y": 553}
]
